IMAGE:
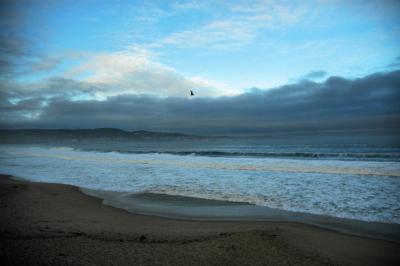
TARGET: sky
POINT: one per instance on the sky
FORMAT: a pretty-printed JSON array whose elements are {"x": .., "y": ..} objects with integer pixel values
[{"x": 254, "y": 66}]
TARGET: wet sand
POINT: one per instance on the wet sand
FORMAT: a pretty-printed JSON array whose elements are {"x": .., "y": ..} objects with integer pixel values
[
  {"x": 191, "y": 208},
  {"x": 57, "y": 224}
]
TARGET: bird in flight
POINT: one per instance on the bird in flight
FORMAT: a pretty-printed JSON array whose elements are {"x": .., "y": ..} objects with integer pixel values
[{"x": 191, "y": 93}]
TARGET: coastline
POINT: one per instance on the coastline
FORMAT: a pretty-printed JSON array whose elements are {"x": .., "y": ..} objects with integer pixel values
[
  {"x": 45, "y": 223},
  {"x": 198, "y": 209}
]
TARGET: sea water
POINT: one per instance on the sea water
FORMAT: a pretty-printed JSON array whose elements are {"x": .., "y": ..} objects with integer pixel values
[{"x": 352, "y": 181}]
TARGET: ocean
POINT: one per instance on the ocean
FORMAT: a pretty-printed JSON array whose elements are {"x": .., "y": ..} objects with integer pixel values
[{"x": 353, "y": 181}]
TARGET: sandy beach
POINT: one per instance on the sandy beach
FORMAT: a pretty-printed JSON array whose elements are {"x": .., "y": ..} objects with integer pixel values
[{"x": 56, "y": 224}]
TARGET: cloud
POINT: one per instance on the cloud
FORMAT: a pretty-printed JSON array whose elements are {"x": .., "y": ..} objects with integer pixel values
[
  {"x": 316, "y": 74},
  {"x": 238, "y": 26},
  {"x": 19, "y": 54},
  {"x": 187, "y": 5},
  {"x": 337, "y": 104},
  {"x": 19, "y": 57},
  {"x": 136, "y": 72},
  {"x": 395, "y": 63},
  {"x": 12, "y": 49},
  {"x": 216, "y": 34},
  {"x": 45, "y": 63}
]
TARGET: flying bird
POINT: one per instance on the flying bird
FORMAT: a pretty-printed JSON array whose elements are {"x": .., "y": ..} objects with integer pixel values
[{"x": 191, "y": 93}]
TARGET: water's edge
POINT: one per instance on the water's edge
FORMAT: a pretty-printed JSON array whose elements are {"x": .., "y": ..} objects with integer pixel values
[
  {"x": 189, "y": 208},
  {"x": 198, "y": 209},
  {"x": 360, "y": 190}
]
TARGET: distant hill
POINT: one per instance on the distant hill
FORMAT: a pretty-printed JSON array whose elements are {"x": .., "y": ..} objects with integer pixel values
[{"x": 50, "y": 135}]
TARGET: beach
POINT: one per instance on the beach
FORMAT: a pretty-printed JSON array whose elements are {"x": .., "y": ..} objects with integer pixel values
[
  {"x": 200, "y": 132},
  {"x": 44, "y": 223}
]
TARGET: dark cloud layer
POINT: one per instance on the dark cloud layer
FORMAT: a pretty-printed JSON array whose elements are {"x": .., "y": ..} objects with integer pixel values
[{"x": 365, "y": 104}]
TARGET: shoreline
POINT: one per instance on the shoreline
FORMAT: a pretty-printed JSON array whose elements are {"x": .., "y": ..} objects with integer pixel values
[
  {"x": 198, "y": 209},
  {"x": 79, "y": 229},
  {"x": 179, "y": 208}
]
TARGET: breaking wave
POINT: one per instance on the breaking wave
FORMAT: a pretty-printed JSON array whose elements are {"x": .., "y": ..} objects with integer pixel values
[{"x": 305, "y": 155}]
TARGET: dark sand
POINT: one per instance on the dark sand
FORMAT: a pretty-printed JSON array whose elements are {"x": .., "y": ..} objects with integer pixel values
[{"x": 57, "y": 224}]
